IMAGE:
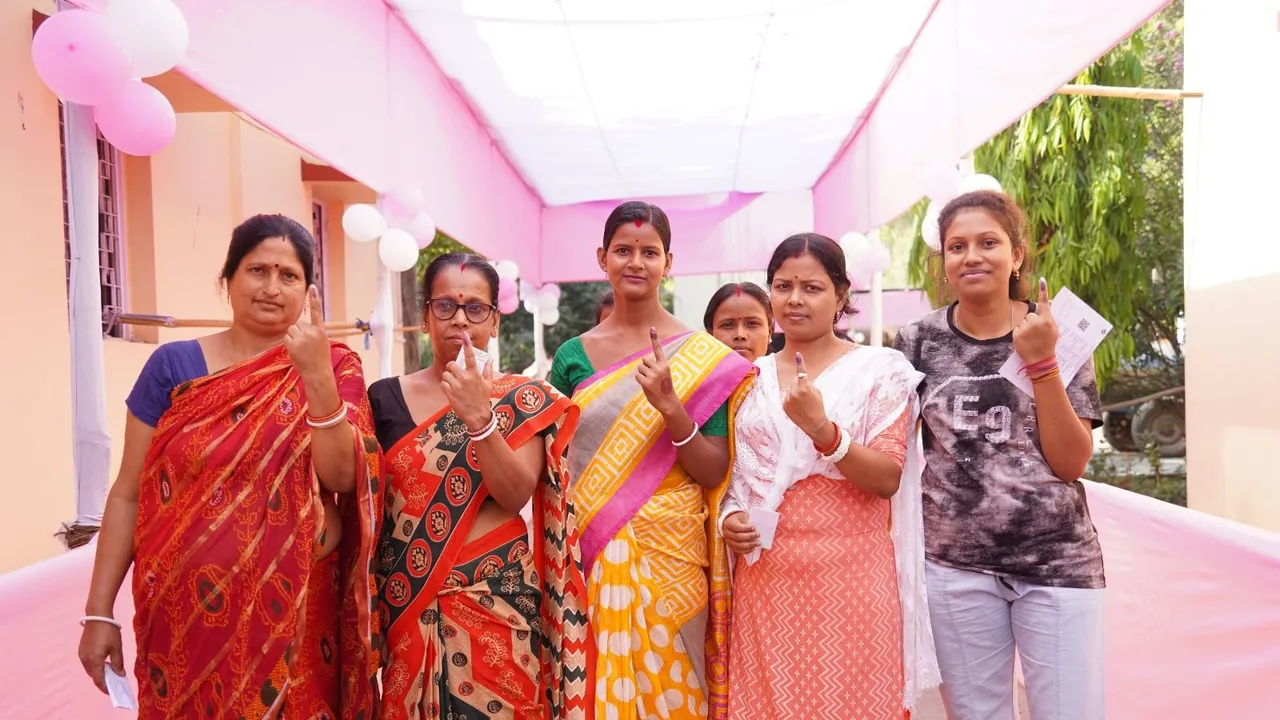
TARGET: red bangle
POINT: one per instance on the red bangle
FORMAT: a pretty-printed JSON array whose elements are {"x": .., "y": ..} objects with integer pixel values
[
  {"x": 342, "y": 410},
  {"x": 1044, "y": 366},
  {"x": 834, "y": 443}
]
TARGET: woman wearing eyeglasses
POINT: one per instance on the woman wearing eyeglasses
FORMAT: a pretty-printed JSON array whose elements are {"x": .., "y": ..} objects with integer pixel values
[{"x": 475, "y": 621}]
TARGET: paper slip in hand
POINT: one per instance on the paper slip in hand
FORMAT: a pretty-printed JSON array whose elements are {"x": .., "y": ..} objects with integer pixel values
[
  {"x": 118, "y": 689},
  {"x": 1080, "y": 331},
  {"x": 482, "y": 357},
  {"x": 765, "y": 522}
]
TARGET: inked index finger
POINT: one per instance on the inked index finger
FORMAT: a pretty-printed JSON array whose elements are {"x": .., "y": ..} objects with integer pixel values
[
  {"x": 657, "y": 345},
  {"x": 316, "y": 311},
  {"x": 801, "y": 373},
  {"x": 1044, "y": 295},
  {"x": 468, "y": 352}
]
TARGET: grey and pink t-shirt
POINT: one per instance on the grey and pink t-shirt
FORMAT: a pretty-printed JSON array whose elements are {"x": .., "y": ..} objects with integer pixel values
[{"x": 991, "y": 503}]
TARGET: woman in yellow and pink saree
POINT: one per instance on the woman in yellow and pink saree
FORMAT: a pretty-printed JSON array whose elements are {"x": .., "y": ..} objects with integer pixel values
[{"x": 650, "y": 456}]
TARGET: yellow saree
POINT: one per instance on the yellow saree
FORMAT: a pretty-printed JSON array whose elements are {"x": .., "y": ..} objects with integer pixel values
[{"x": 657, "y": 569}]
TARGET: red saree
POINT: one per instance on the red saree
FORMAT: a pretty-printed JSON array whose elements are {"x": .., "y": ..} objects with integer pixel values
[
  {"x": 490, "y": 627},
  {"x": 235, "y": 616}
]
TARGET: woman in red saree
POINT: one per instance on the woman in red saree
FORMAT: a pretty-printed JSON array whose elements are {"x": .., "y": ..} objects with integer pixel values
[
  {"x": 478, "y": 624},
  {"x": 247, "y": 502}
]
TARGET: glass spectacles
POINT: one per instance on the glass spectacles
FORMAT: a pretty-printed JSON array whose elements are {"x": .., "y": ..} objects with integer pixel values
[{"x": 446, "y": 309}]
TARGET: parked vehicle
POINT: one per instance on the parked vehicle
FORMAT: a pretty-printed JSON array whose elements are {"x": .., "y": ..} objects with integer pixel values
[{"x": 1143, "y": 405}]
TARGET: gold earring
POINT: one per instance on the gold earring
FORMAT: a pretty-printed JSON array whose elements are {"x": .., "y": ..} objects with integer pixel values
[{"x": 1017, "y": 274}]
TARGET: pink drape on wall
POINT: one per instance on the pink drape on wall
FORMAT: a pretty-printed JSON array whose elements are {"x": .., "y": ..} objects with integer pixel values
[{"x": 1193, "y": 619}]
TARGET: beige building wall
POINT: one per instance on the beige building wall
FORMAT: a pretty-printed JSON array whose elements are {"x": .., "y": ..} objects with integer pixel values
[
  {"x": 1233, "y": 259},
  {"x": 179, "y": 208}
]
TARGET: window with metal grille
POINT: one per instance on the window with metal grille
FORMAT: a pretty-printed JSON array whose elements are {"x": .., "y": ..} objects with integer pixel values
[
  {"x": 318, "y": 223},
  {"x": 110, "y": 229}
]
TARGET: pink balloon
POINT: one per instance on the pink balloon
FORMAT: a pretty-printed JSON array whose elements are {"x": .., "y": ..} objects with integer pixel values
[
  {"x": 508, "y": 304},
  {"x": 76, "y": 56},
  {"x": 508, "y": 289},
  {"x": 405, "y": 201},
  {"x": 139, "y": 120}
]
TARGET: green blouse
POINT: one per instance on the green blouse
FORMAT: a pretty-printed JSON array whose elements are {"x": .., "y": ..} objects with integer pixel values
[{"x": 572, "y": 366}]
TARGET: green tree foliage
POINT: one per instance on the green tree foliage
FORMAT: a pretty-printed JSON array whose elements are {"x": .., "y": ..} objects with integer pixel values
[
  {"x": 1102, "y": 197},
  {"x": 1157, "y": 311}
]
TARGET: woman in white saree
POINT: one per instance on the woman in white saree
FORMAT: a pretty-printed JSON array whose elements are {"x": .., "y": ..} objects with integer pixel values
[{"x": 830, "y": 621}]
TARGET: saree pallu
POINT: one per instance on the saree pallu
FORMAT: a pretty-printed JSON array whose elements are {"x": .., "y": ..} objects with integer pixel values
[
  {"x": 235, "y": 615},
  {"x": 489, "y": 627},
  {"x": 658, "y": 570}
]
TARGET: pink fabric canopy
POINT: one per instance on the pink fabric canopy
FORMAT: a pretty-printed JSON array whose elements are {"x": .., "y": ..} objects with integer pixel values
[{"x": 349, "y": 82}]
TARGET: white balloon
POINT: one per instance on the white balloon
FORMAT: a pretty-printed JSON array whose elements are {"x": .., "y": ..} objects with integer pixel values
[
  {"x": 942, "y": 183},
  {"x": 853, "y": 244},
  {"x": 550, "y": 318},
  {"x": 527, "y": 289},
  {"x": 363, "y": 223},
  {"x": 398, "y": 250},
  {"x": 981, "y": 181},
  {"x": 547, "y": 302},
  {"x": 508, "y": 269},
  {"x": 423, "y": 229},
  {"x": 552, "y": 288},
  {"x": 929, "y": 227},
  {"x": 531, "y": 304},
  {"x": 153, "y": 33},
  {"x": 877, "y": 258}
]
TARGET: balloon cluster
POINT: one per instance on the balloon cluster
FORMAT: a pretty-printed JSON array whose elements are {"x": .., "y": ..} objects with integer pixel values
[
  {"x": 508, "y": 289},
  {"x": 99, "y": 59},
  {"x": 402, "y": 227},
  {"x": 863, "y": 258},
  {"x": 944, "y": 184},
  {"x": 545, "y": 301}
]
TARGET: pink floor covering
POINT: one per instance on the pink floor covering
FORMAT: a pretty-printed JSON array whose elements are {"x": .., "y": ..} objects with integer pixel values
[{"x": 1193, "y": 620}]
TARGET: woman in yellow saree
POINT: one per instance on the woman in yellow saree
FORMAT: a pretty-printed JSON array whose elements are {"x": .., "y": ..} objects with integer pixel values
[{"x": 650, "y": 455}]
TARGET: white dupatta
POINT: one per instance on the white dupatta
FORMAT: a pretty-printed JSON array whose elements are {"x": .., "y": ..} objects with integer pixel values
[{"x": 865, "y": 391}]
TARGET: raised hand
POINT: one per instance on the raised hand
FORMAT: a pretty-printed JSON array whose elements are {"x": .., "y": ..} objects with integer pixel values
[
  {"x": 654, "y": 376},
  {"x": 1036, "y": 337},
  {"x": 468, "y": 388},
  {"x": 306, "y": 342},
  {"x": 803, "y": 402}
]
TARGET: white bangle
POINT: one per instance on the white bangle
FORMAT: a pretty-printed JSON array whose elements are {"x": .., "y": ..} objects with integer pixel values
[
  {"x": 487, "y": 430},
  {"x": 329, "y": 422},
  {"x": 842, "y": 448},
  {"x": 101, "y": 619},
  {"x": 685, "y": 441}
]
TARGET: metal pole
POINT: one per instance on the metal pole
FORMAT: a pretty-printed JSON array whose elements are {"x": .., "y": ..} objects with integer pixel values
[
  {"x": 877, "y": 300},
  {"x": 382, "y": 323}
]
